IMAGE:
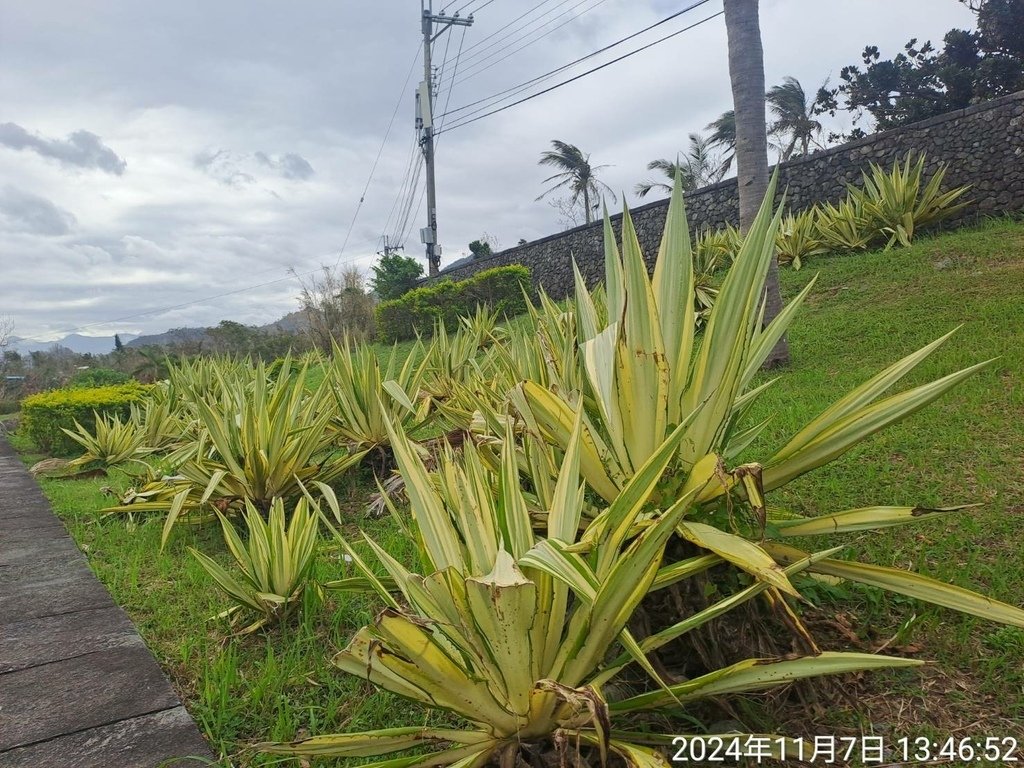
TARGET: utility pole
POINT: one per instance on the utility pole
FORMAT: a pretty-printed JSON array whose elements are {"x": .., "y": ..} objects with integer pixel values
[
  {"x": 425, "y": 123},
  {"x": 389, "y": 248}
]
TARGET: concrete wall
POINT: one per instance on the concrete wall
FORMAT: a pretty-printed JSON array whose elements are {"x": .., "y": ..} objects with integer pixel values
[{"x": 983, "y": 146}]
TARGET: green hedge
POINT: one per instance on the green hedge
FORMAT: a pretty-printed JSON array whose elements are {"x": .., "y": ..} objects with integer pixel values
[
  {"x": 500, "y": 289},
  {"x": 98, "y": 377},
  {"x": 43, "y": 415}
]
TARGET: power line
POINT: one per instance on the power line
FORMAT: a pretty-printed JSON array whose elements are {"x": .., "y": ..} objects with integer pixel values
[
  {"x": 444, "y": 59},
  {"x": 472, "y": 60},
  {"x": 380, "y": 151},
  {"x": 547, "y": 75},
  {"x": 518, "y": 18},
  {"x": 501, "y": 29},
  {"x": 480, "y": 7},
  {"x": 472, "y": 11},
  {"x": 481, "y": 65},
  {"x": 474, "y": 72},
  {"x": 448, "y": 96},
  {"x": 402, "y": 187},
  {"x": 412, "y": 222},
  {"x": 402, "y": 225},
  {"x": 584, "y": 74},
  {"x": 409, "y": 193}
]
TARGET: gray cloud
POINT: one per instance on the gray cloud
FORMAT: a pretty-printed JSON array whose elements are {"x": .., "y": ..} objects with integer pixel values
[
  {"x": 192, "y": 102},
  {"x": 81, "y": 148},
  {"x": 238, "y": 170},
  {"x": 289, "y": 165},
  {"x": 224, "y": 167},
  {"x": 22, "y": 211}
]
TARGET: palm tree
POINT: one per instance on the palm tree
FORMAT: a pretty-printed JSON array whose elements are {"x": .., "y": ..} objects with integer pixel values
[
  {"x": 794, "y": 117},
  {"x": 154, "y": 366},
  {"x": 746, "y": 73},
  {"x": 723, "y": 136},
  {"x": 698, "y": 168},
  {"x": 576, "y": 173}
]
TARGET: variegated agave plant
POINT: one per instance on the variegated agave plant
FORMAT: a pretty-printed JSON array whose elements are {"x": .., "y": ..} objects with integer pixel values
[
  {"x": 274, "y": 564},
  {"x": 357, "y": 380},
  {"x": 260, "y": 439},
  {"x": 525, "y": 593},
  {"x": 112, "y": 442},
  {"x": 510, "y": 628},
  {"x": 648, "y": 375}
]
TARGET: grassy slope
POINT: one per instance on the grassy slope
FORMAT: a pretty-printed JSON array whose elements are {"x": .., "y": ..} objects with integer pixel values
[{"x": 865, "y": 312}]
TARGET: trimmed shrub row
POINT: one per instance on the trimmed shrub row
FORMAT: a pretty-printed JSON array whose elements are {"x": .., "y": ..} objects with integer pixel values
[
  {"x": 43, "y": 415},
  {"x": 500, "y": 289}
]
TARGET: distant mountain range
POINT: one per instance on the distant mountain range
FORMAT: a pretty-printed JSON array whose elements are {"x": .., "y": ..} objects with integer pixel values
[
  {"x": 173, "y": 336},
  {"x": 101, "y": 345},
  {"x": 76, "y": 342}
]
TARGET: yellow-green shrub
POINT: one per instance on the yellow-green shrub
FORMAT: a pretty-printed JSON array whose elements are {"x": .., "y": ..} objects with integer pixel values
[
  {"x": 500, "y": 289},
  {"x": 45, "y": 416}
]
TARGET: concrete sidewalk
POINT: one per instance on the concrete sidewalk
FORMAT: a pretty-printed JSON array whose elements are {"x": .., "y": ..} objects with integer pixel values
[{"x": 78, "y": 687}]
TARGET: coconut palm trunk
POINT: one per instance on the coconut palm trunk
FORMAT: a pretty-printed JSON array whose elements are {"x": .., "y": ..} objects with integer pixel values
[{"x": 746, "y": 72}]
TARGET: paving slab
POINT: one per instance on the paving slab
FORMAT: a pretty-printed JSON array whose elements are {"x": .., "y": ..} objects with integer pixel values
[
  {"x": 32, "y": 590},
  {"x": 78, "y": 687},
  {"x": 21, "y": 519},
  {"x": 166, "y": 739},
  {"x": 29, "y": 643},
  {"x": 100, "y": 688},
  {"x": 18, "y": 547}
]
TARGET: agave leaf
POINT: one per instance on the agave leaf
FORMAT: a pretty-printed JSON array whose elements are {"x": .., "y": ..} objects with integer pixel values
[
  {"x": 599, "y": 359},
  {"x": 673, "y": 287},
  {"x": 635, "y": 755},
  {"x": 716, "y": 377},
  {"x": 513, "y": 518},
  {"x": 614, "y": 280},
  {"x": 862, "y": 519},
  {"x": 503, "y": 605},
  {"x": 740, "y": 552},
  {"x": 384, "y": 741},
  {"x": 557, "y": 420},
  {"x": 552, "y": 557},
  {"x": 439, "y": 541},
  {"x": 177, "y": 504},
  {"x": 418, "y": 668},
  {"x": 859, "y": 398},
  {"x": 910, "y": 584},
  {"x": 586, "y": 312},
  {"x": 684, "y": 569},
  {"x": 394, "y": 389},
  {"x": 226, "y": 581},
  {"x": 834, "y": 439},
  {"x": 741, "y": 440},
  {"x": 629, "y": 581},
  {"x": 765, "y": 341},
  {"x": 612, "y": 531},
  {"x": 757, "y": 674},
  {"x": 713, "y": 611},
  {"x": 643, "y": 378},
  {"x": 567, "y": 495}
]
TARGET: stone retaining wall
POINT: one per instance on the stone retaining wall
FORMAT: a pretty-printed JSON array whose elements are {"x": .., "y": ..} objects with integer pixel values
[{"x": 982, "y": 145}]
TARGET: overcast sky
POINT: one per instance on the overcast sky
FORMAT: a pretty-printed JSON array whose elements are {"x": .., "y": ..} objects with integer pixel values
[{"x": 156, "y": 154}]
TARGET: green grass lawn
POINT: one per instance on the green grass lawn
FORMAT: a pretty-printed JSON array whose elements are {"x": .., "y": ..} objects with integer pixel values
[{"x": 865, "y": 312}]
